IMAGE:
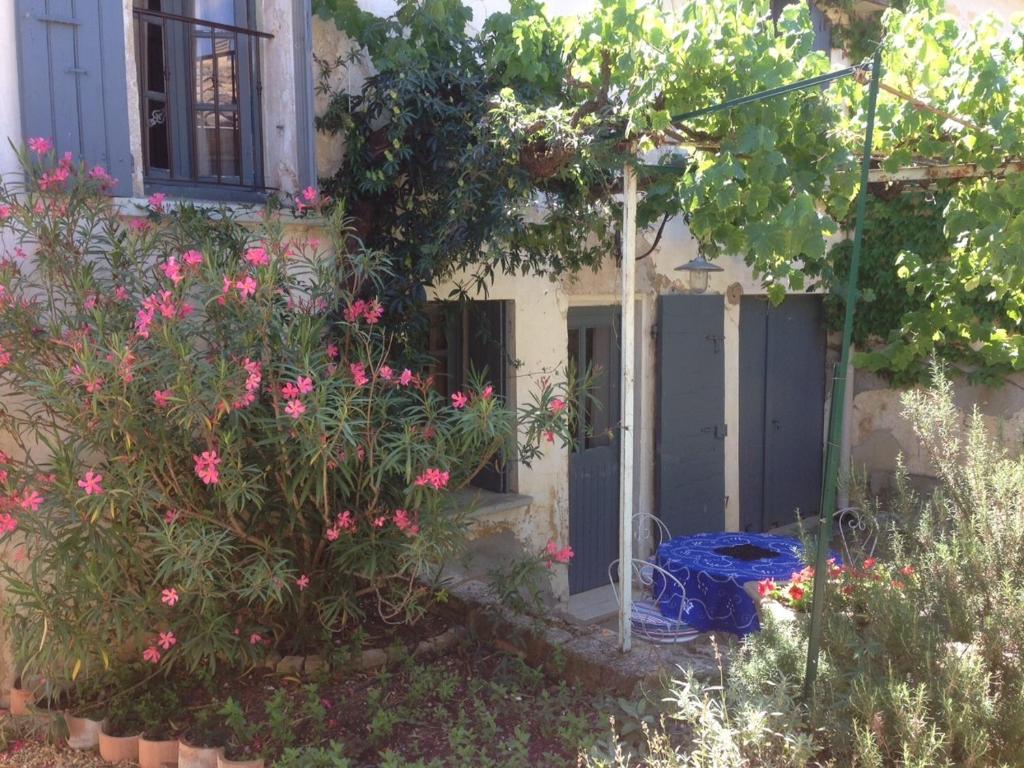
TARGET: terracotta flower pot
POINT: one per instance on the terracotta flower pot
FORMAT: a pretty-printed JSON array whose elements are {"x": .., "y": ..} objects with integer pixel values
[
  {"x": 115, "y": 749},
  {"x": 83, "y": 733},
  {"x": 21, "y": 700},
  {"x": 157, "y": 753},
  {"x": 190, "y": 756},
  {"x": 223, "y": 762}
]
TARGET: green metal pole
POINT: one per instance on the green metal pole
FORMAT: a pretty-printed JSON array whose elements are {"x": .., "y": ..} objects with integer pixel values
[{"x": 835, "y": 425}]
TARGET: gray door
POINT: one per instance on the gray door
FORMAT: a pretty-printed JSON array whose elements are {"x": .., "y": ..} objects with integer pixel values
[
  {"x": 690, "y": 471},
  {"x": 594, "y": 464},
  {"x": 782, "y": 400}
]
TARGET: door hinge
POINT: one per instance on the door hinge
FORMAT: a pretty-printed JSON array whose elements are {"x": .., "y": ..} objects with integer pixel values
[
  {"x": 718, "y": 431},
  {"x": 716, "y": 340}
]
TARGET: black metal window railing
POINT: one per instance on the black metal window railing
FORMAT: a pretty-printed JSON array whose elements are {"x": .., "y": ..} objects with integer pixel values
[{"x": 199, "y": 94}]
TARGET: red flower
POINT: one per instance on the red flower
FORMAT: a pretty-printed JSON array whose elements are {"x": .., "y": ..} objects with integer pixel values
[
  {"x": 795, "y": 592},
  {"x": 765, "y": 587},
  {"x": 870, "y": 563},
  {"x": 907, "y": 570}
]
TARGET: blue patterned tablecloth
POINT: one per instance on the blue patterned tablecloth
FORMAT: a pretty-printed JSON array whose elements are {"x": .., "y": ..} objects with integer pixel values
[{"x": 713, "y": 567}]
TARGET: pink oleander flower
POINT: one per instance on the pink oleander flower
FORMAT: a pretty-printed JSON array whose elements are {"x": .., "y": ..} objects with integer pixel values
[
  {"x": 386, "y": 373},
  {"x": 433, "y": 477},
  {"x": 257, "y": 257},
  {"x": 487, "y": 392},
  {"x": 171, "y": 516},
  {"x": 289, "y": 391},
  {"x": 5, "y": 357},
  {"x": 549, "y": 435},
  {"x": 554, "y": 554},
  {"x": 305, "y": 384},
  {"x": 206, "y": 467},
  {"x": 332, "y": 351},
  {"x": 172, "y": 270},
  {"x": 138, "y": 225},
  {"x": 255, "y": 638},
  {"x": 332, "y": 533},
  {"x": 302, "y": 582},
  {"x": 91, "y": 483},
  {"x": 151, "y": 654},
  {"x": 380, "y": 522},
  {"x": 5, "y": 211},
  {"x": 121, "y": 293},
  {"x": 32, "y": 500},
  {"x": 355, "y": 310},
  {"x": 459, "y": 400},
  {"x": 39, "y": 145},
  {"x": 166, "y": 640},
  {"x": 309, "y": 194},
  {"x": 556, "y": 405},
  {"x": 295, "y": 408},
  {"x": 406, "y": 378},
  {"x": 99, "y": 173},
  {"x": 169, "y": 597},
  {"x": 7, "y": 523},
  {"x": 156, "y": 201},
  {"x": 161, "y": 397},
  {"x": 373, "y": 312},
  {"x": 247, "y": 286},
  {"x": 359, "y": 374},
  {"x": 402, "y": 520},
  {"x": 192, "y": 258}
]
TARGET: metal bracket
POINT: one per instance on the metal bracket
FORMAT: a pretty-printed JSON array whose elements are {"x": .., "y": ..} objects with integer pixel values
[{"x": 57, "y": 20}]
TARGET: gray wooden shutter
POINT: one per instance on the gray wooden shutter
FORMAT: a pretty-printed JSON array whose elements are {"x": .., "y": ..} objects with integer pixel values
[
  {"x": 72, "y": 80},
  {"x": 690, "y": 469}
]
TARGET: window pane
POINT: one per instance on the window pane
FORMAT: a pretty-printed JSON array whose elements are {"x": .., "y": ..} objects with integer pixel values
[
  {"x": 221, "y": 11},
  {"x": 217, "y": 143},
  {"x": 216, "y": 78},
  {"x": 156, "y": 125}
]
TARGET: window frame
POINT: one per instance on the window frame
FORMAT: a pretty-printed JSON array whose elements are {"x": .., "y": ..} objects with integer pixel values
[{"x": 179, "y": 50}]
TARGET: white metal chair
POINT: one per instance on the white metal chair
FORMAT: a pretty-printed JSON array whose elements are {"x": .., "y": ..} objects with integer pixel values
[
  {"x": 661, "y": 535},
  {"x": 646, "y": 619}
]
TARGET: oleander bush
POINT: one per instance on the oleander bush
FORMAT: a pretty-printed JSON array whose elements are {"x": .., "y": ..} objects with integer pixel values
[
  {"x": 218, "y": 451},
  {"x": 922, "y": 660}
]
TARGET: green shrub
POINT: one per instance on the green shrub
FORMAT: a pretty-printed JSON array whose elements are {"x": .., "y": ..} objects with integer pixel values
[
  {"x": 921, "y": 661},
  {"x": 218, "y": 452}
]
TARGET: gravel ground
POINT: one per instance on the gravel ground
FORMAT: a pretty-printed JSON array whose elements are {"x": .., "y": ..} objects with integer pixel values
[
  {"x": 23, "y": 745},
  {"x": 26, "y": 754}
]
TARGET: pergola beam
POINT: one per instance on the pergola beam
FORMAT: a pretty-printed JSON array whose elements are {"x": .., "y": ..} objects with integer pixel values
[{"x": 928, "y": 173}]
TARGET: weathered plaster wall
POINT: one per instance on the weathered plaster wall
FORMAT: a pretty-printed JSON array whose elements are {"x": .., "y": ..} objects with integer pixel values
[{"x": 880, "y": 434}]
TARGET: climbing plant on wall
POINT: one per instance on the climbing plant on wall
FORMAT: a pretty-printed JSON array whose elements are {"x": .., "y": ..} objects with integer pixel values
[{"x": 501, "y": 148}]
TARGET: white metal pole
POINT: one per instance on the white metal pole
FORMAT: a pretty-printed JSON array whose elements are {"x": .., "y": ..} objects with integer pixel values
[{"x": 628, "y": 344}]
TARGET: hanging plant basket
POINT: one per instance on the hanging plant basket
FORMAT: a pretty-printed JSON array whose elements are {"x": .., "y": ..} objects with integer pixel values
[{"x": 543, "y": 161}]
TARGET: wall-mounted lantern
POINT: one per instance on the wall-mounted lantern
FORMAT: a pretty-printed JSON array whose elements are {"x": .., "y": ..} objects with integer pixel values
[{"x": 699, "y": 271}]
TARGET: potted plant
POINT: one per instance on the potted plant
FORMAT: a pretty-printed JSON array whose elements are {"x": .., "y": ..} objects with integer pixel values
[
  {"x": 158, "y": 744},
  {"x": 202, "y": 744},
  {"x": 241, "y": 750},
  {"x": 83, "y": 715},
  {"x": 119, "y": 740},
  {"x": 24, "y": 694}
]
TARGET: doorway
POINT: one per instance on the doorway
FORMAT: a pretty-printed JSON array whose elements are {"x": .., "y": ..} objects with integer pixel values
[
  {"x": 782, "y": 410},
  {"x": 594, "y": 462}
]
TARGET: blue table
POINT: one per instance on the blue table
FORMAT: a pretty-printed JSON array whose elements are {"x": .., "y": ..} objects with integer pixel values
[{"x": 713, "y": 567}]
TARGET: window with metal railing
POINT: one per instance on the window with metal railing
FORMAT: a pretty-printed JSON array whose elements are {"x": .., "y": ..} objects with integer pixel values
[{"x": 199, "y": 93}]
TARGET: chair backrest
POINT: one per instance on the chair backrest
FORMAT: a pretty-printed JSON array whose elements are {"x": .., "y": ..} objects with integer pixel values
[
  {"x": 649, "y": 576},
  {"x": 653, "y": 525},
  {"x": 853, "y": 519}
]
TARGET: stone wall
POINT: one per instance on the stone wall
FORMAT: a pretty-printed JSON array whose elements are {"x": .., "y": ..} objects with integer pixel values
[{"x": 880, "y": 434}]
